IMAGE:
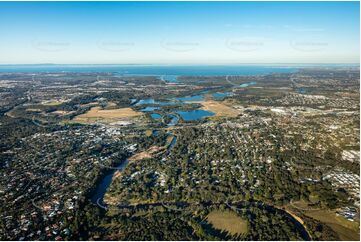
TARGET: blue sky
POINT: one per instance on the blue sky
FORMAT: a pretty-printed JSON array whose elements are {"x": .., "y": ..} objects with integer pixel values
[{"x": 179, "y": 32}]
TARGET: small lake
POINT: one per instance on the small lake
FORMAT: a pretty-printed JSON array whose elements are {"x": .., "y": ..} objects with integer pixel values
[
  {"x": 248, "y": 84},
  {"x": 133, "y": 100},
  {"x": 221, "y": 95},
  {"x": 149, "y": 109},
  {"x": 194, "y": 98},
  {"x": 105, "y": 183},
  {"x": 152, "y": 101},
  {"x": 194, "y": 114},
  {"x": 301, "y": 90},
  {"x": 156, "y": 116},
  {"x": 173, "y": 121}
]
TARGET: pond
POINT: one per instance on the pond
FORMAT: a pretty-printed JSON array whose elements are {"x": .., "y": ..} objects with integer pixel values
[
  {"x": 152, "y": 101},
  {"x": 301, "y": 90},
  {"x": 194, "y": 98},
  {"x": 221, "y": 95},
  {"x": 133, "y": 100},
  {"x": 194, "y": 114},
  {"x": 156, "y": 116},
  {"x": 174, "y": 120},
  {"x": 248, "y": 84},
  {"x": 149, "y": 109}
]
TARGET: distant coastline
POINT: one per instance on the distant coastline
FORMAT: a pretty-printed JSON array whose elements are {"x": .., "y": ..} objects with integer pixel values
[{"x": 172, "y": 70}]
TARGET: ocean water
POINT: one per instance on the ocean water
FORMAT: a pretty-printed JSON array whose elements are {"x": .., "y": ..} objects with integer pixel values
[{"x": 165, "y": 71}]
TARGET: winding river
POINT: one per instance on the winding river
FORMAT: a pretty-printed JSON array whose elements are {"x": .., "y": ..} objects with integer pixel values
[{"x": 102, "y": 187}]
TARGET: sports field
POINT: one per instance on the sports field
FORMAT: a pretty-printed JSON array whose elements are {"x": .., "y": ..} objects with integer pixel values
[{"x": 227, "y": 221}]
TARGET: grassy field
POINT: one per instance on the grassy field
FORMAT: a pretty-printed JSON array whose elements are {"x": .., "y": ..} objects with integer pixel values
[
  {"x": 148, "y": 132},
  {"x": 228, "y": 221},
  {"x": 347, "y": 230},
  {"x": 220, "y": 109},
  {"x": 97, "y": 114}
]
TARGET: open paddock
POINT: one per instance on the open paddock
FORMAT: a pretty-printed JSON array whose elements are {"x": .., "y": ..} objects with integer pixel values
[{"x": 96, "y": 114}]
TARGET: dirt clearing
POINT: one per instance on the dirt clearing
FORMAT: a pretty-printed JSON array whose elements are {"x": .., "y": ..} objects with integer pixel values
[
  {"x": 220, "y": 109},
  {"x": 147, "y": 154}
]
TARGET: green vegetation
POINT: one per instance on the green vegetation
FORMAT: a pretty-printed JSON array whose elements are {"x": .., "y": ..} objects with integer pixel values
[{"x": 277, "y": 165}]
